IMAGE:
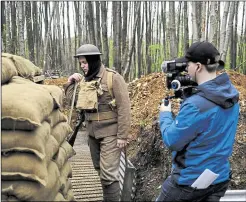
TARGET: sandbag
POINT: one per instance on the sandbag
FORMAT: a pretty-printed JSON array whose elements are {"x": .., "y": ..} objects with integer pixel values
[
  {"x": 70, "y": 196},
  {"x": 66, "y": 185},
  {"x": 59, "y": 197},
  {"x": 32, "y": 191},
  {"x": 25, "y": 106},
  {"x": 24, "y": 166},
  {"x": 66, "y": 170},
  {"x": 8, "y": 70},
  {"x": 26, "y": 141},
  {"x": 51, "y": 148},
  {"x": 8, "y": 198},
  {"x": 56, "y": 117},
  {"x": 24, "y": 67},
  {"x": 21, "y": 80},
  {"x": 65, "y": 152},
  {"x": 61, "y": 131},
  {"x": 56, "y": 93}
]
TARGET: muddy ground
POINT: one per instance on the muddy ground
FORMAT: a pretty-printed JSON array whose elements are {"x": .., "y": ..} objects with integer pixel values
[{"x": 146, "y": 149}]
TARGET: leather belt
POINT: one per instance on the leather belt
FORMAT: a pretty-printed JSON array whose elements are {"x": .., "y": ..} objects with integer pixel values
[{"x": 98, "y": 116}]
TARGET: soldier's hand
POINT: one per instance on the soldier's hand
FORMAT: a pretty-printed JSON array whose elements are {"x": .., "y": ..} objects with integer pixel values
[
  {"x": 75, "y": 77},
  {"x": 121, "y": 143}
]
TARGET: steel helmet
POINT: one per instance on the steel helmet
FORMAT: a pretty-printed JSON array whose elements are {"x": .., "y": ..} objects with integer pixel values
[{"x": 87, "y": 49}]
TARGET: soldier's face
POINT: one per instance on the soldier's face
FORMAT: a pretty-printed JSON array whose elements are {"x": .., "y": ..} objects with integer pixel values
[{"x": 83, "y": 64}]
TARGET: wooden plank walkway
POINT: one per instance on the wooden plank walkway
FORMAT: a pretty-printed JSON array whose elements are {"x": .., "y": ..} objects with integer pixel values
[{"x": 85, "y": 180}]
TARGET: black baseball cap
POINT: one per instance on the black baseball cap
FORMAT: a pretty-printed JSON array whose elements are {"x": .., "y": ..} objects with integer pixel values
[{"x": 203, "y": 52}]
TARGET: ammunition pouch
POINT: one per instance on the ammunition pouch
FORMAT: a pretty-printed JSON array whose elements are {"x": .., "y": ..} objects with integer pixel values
[
  {"x": 99, "y": 116},
  {"x": 88, "y": 95}
]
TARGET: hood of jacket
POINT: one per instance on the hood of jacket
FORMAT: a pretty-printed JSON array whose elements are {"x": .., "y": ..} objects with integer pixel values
[{"x": 220, "y": 91}]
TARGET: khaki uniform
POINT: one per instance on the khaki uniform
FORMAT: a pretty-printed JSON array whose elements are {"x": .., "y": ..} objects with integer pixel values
[{"x": 103, "y": 134}]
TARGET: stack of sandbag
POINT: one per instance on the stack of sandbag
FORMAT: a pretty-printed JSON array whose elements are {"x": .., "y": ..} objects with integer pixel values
[
  {"x": 34, "y": 150},
  {"x": 14, "y": 65}
]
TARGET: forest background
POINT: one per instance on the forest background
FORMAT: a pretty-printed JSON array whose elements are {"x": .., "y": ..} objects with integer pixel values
[{"x": 134, "y": 37}]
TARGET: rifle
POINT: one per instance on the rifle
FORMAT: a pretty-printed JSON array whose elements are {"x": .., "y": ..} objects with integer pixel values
[{"x": 80, "y": 119}]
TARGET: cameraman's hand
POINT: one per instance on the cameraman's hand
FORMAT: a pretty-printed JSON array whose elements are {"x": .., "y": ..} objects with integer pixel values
[
  {"x": 75, "y": 77},
  {"x": 164, "y": 108}
]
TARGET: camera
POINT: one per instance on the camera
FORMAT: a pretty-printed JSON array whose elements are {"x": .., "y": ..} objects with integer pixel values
[{"x": 177, "y": 78}]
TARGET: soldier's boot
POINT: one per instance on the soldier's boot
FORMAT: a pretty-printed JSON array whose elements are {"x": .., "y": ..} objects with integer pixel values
[{"x": 111, "y": 192}]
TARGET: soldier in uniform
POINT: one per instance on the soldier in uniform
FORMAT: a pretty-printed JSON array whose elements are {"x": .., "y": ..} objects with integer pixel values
[{"x": 108, "y": 122}]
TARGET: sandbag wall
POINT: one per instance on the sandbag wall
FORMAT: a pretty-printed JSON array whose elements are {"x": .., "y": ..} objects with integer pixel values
[
  {"x": 34, "y": 150},
  {"x": 14, "y": 65}
]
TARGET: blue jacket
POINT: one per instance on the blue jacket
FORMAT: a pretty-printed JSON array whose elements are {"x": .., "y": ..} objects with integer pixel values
[{"x": 202, "y": 134}]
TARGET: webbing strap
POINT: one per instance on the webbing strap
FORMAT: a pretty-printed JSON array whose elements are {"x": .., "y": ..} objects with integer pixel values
[{"x": 110, "y": 83}]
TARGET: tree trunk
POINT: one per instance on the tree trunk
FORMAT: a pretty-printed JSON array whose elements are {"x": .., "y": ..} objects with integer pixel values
[
  {"x": 98, "y": 26},
  {"x": 203, "y": 21},
  {"x": 124, "y": 29},
  {"x": 69, "y": 56},
  {"x": 36, "y": 36},
  {"x": 223, "y": 26},
  {"x": 213, "y": 23},
  {"x": 172, "y": 31},
  {"x": 13, "y": 28},
  {"x": 3, "y": 26},
  {"x": 163, "y": 18},
  {"x": 148, "y": 36},
  {"x": 195, "y": 36},
  {"x": 47, "y": 36},
  {"x": 178, "y": 27},
  {"x": 132, "y": 45},
  {"x": 29, "y": 29},
  {"x": 117, "y": 38},
  {"x": 105, "y": 34},
  {"x": 186, "y": 28},
  {"x": 229, "y": 31},
  {"x": 139, "y": 45},
  {"x": 20, "y": 24},
  {"x": 234, "y": 39},
  {"x": 90, "y": 19}
]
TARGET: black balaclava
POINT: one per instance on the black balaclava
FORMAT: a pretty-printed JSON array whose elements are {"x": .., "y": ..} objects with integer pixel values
[{"x": 94, "y": 64}]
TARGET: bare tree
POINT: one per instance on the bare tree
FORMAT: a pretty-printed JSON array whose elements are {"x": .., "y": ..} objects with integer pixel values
[
  {"x": 228, "y": 31},
  {"x": 69, "y": 40},
  {"x": 47, "y": 37},
  {"x": 172, "y": 30},
  {"x": 13, "y": 28},
  {"x": 195, "y": 36},
  {"x": 98, "y": 26},
  {"x": 223, "y": 26},
  {"x": 21, "y": 20},
  {"x": 105, "y": 34},
  {"x": 213, "y": 23},
  {"x": 148, "y": 36},
  {"x": 186, "y": 28},
  {"x": 163, "y": 19},
  {"x": 131, "y": 46},
  {"x": 3, "y": 26},
  {"x": 234, "y": 39},
  {"x": 90, "y": 19},
  {"x": 29, "y": 29}
]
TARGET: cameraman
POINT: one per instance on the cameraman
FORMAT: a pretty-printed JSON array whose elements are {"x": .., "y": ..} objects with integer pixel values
[{"x": 202, "y": 135}]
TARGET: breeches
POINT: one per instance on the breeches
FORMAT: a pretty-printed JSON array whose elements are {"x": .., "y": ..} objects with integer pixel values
[{"x": 106, "y": 158}]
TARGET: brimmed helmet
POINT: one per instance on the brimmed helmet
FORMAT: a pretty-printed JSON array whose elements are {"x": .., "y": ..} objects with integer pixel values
[{"x": 87, "y": 49}]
